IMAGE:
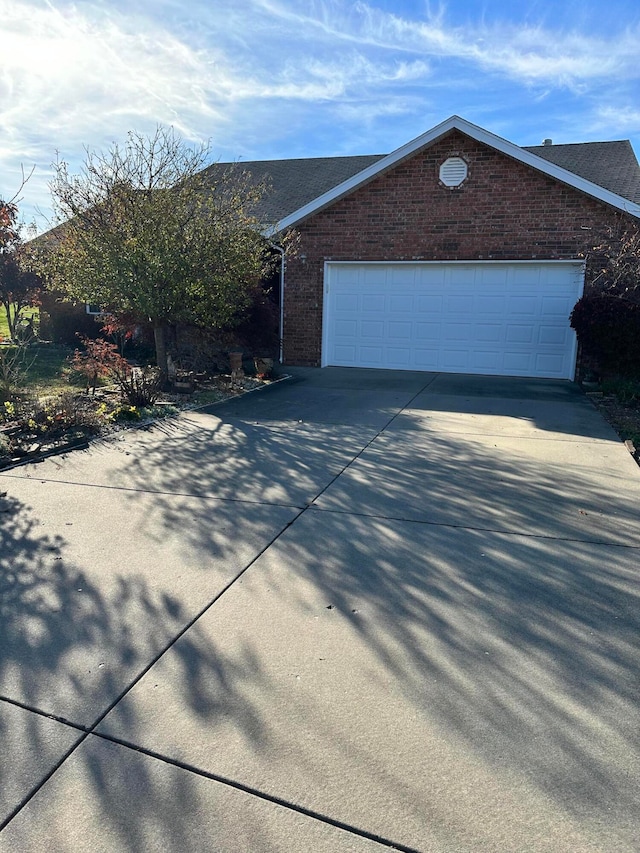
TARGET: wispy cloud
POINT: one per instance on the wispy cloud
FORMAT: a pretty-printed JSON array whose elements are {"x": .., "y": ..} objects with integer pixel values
[
  {"x": 526, "y": 52},
  {"x": 261, "y": 77}
]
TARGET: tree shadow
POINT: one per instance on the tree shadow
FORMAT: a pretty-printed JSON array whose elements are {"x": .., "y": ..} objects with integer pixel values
[
  {"x": 522, "y": 648},
  {"x": 69, "y": 648}
]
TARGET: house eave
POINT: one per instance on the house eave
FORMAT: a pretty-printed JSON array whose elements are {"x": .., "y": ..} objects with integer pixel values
[{"x": 480, "y": 135}]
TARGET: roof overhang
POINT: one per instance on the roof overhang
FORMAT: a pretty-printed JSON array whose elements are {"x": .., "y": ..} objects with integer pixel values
[{"x": 480, "y": 135}]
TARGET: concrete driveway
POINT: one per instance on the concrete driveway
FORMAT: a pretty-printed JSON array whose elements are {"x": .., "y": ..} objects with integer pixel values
[{"x": 357, "y": 611}]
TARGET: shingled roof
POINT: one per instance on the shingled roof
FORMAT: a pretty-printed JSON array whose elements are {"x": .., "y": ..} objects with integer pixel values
[
  {"x": 296, "y": 183},
  {"x": 611, "y": 165},
  {"x": 293, "y": 183}
]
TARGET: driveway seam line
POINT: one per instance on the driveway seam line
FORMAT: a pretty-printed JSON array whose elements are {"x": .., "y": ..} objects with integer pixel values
[
  {"x": 371, "y": 440},
  {"x": 56, "y": 718},
  {"x": 154, "y": 492},
  {"x": 317, "y": 508},
  {"x": 188, "y": 768},
  {"x": 256, "y": 792},
  {"x": 90, "y": 729}
]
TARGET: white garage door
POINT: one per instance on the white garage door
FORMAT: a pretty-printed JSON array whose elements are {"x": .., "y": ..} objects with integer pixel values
[{"x": 507, "y": 319}]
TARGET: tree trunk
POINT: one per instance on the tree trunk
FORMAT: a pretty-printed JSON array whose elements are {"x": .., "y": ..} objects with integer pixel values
[{"x": 160, "y": 338}]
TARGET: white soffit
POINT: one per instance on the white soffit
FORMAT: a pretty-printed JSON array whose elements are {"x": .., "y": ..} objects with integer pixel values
[{"x": 480, "y": 135}]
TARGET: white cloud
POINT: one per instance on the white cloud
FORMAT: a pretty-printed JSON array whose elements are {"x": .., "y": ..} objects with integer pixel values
[
  {"x": 250, "y": 72},
  {"x": 525, "y": 52},
  {"x": 624, "y": 118}
]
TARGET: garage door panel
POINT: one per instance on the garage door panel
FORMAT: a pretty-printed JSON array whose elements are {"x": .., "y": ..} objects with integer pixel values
[
  {"x": 455, "y": 360},
  {"x": 519, "y": 363},
  {"x": 493, "y": 276},
  {"x": 457, "y": 305},
  {"x": 345, "y": 353},
  {"x": 488, "y": 360},
  {"x": 549, "y": 364},
  {"x": 461, "y": 277},
  {"x": 371, "y": 356},
  {"x": 528, "y": 276},
  {"x": 427, "y": 359},
  {"x": 493, "y": 305},
  {"x": 491, "y": 333},
  {"x": 557, "y": 307},
  {"x": 346, "y": 328},
  {"x": 401, "y": 304},
  {"x": 428, "y": 332},
  {"x": 524, "y": 305},
  {"x": 374, "y": 304},
  {"x": 497, "y": 318},
  {"x": 520, "y": 334},
  {"x": 346, "y": 302},
  {"x": 374, "y": 276},
  {"x": 430, "y": 276},
  {"x": 457, "y": 331},
  {"x": 429, "y": 304},
  {"x": 554, "y": 335},
  {"x": 399, "y": 357},
  {"x": 400, "y": 330},
  {"x": 399, "y": 276},
  {"x": 372, "y": 329}
]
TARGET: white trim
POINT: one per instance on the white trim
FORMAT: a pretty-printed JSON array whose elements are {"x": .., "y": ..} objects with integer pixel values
[
  {"x": 480, "y": 135},
  {"x": 422, "y": 262},
  {"x": 326, "y": 284},
  {"x": 329, "y": 264}
]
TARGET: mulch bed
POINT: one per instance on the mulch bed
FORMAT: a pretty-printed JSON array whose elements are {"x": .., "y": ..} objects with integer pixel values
[
  {"x": 27, "y": 445},
  {"x": 623, "y": 417}
]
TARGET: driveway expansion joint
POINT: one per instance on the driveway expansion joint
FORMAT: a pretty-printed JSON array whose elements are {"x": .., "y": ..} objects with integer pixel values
[
  {"x": 497, "y": 530},
  {"x": 256, "y": 792}
]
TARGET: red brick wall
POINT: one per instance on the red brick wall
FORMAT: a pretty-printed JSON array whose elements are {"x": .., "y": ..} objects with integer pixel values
[{"x": 503, "y": 211}]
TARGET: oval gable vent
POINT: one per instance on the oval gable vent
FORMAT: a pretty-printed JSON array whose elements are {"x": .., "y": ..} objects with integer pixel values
[{"x": 453, "y": 171}]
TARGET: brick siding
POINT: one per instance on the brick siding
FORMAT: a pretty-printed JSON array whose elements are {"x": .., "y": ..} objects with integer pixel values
[{"x": 503, "y": 211}]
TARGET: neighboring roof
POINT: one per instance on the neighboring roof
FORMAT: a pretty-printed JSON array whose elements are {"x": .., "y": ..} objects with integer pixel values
[
  {"x": 612, "y": 165},
  {"x": 607, "y": 171}
]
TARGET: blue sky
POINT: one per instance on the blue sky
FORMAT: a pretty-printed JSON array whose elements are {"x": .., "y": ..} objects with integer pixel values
[{"x": 267, "y": 79}]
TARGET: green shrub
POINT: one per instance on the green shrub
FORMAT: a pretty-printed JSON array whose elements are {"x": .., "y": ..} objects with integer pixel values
[{"x": 626, "y": 390}]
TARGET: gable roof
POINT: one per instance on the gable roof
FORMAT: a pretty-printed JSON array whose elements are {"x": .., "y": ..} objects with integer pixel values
[
  {"x": 607, "y": 171},
  {"x": 611, "y": 165},
  {"x": 293, "y": 184}
]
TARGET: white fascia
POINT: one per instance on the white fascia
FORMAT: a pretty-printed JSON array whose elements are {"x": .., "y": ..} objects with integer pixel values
[{"x": 480, "y": 135}]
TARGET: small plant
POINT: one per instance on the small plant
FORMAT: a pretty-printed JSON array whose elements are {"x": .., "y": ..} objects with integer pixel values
[
  {"x": 126, "y": 413},
  {"x": 96, "y": 362},
  {"x": 101, "y": 360},
  {"x": 139, "y": 386},
  {"x": 627, "y": 391},
  {"x": 55, "y": 416}
]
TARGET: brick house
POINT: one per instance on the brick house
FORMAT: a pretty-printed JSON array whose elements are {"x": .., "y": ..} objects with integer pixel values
[{"x": 459, "y": 252}]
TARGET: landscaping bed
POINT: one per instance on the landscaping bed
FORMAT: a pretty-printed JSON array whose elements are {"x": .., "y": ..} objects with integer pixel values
[
  {"x": 38, "y": 426},
  {"x": 619, "y": 404}
]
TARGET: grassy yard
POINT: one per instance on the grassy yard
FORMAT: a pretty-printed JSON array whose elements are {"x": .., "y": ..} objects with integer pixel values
[
  {"x": 4, "y": 326},
  {"x": 46, "y": 369}
]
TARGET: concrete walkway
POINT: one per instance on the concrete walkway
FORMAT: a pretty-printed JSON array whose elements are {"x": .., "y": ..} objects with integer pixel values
[{"x": 357, "y": 611}]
